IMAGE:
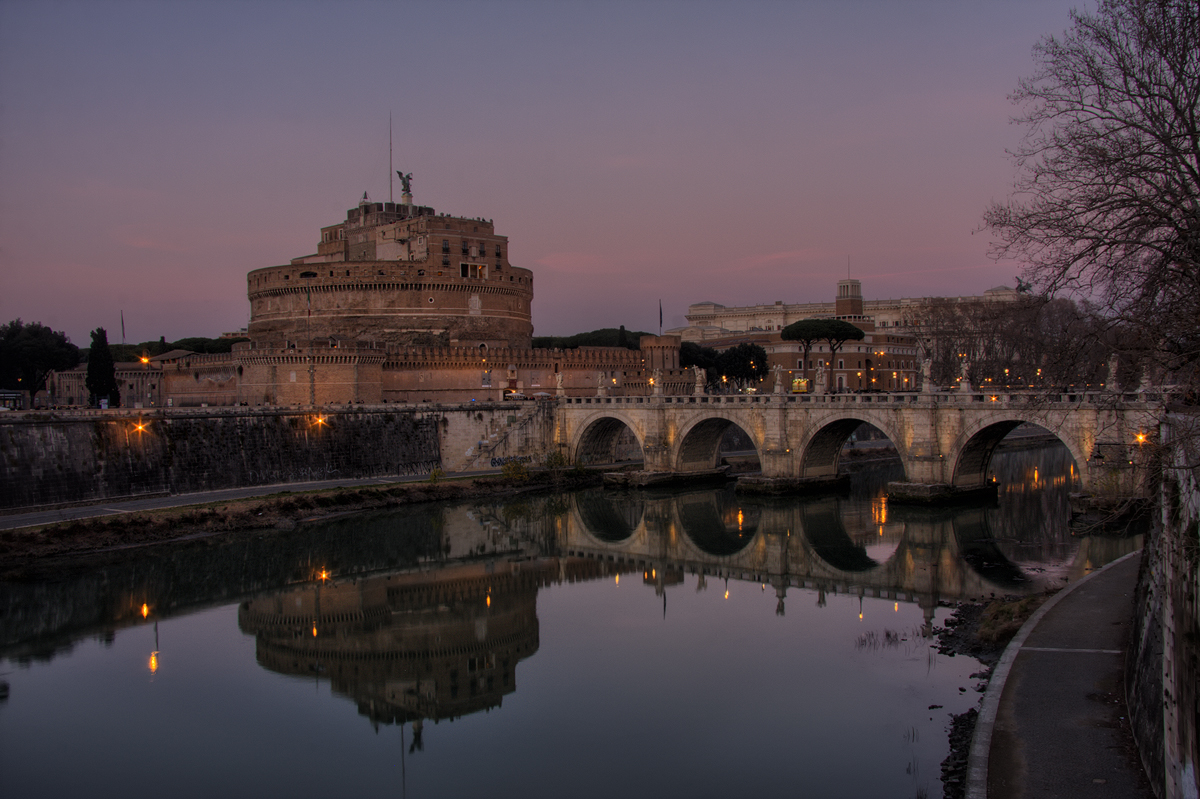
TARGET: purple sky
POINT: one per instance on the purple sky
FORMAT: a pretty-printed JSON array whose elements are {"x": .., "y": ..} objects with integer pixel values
[{"x": 151, "y": 154}]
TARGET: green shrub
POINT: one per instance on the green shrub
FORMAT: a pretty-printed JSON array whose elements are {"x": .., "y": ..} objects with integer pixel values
[{"x": 515, "y": 471}]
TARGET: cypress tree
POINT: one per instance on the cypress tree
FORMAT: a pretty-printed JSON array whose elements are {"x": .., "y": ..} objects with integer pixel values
[{"x": 101, "y": 378}]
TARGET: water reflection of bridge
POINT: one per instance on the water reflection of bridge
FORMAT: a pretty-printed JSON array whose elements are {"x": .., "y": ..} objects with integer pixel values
[{"x": 826, "y": 545}]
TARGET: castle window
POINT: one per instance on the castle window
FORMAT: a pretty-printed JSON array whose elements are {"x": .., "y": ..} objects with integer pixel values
[
  {"x": 445, "y": 260},
  {"x": 445, "y": 245},
  {"x": 465, "y": 249},
  {"x": 498, "y": 255}
]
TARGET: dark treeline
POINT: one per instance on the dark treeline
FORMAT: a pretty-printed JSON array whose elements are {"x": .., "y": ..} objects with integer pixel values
[
  {"x": 1036, "y": 341},
  {"x": 731, "y": 370},
  {"x": 604, "y": 337},
  {"x": 131, "y": 352}
]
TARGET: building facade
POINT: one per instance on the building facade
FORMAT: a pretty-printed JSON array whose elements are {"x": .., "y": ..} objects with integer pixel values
[
  {"x": 710, "y": 320},
  {"x": 884, "y": 360}
]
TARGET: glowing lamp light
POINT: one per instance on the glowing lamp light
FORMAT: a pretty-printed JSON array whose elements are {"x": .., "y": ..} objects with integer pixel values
[
  {"x": 727, "y": 593},
  {"x": 314, "y": 630},
  {"x": 1141, "y": 438},
  {"x": 617, "y": 580},
  {"x": 154, "y": 661},
  {"x": 896, "y": 607},
  {"x": 145, "y": 610}
]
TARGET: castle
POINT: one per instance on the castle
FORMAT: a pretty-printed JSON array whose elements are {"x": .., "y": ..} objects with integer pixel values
[{"x": 400, "y": 304}]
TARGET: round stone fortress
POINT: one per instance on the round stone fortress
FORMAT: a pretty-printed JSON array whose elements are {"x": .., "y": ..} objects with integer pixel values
[{"x": 397, "y": 274}]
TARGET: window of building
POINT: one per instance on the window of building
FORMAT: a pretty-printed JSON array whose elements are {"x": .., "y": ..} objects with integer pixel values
[
  {"x": 841, "y": 364},
  {"x": 498, "y": 255},
  {"x": 445, "y": 245},
  {"x": 445, "y": 260},
  {"x": 486, "y": 381},
  {"x": 477, "y": 271}
]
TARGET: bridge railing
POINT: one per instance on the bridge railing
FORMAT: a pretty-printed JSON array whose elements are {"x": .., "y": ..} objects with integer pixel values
[{"x": 945, "y": 398}]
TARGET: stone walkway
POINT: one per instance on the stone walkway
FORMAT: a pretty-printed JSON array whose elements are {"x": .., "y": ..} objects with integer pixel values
[{"x": 1054, "y": 720}]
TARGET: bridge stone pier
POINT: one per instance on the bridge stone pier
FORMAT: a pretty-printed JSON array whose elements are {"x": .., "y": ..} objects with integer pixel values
[{"x": 945, "y": 440}]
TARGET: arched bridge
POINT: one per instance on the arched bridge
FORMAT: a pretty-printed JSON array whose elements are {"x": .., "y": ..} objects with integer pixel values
[{"x": 945, "y": 440}]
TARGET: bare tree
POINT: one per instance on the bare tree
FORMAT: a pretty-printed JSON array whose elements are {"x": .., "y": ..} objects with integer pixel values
[{"x": 1107, "y": 203}]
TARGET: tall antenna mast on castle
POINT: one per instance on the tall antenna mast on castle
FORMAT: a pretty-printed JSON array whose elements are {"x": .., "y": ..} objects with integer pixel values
[{"x": 390, "y": 197}]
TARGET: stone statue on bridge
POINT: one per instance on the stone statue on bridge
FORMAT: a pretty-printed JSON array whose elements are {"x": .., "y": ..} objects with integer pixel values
[
  {"x": 927, "y": 376},
  {"x": 656, "y": 382},
  {"x": 964, "y": 381},
  {"x": 777, "y": 371},
  {"x": 1110, "y": 382},
  {"x": 821, "y": 380},
  {"x": 701, "y": 380},
  {"x": 558, "y": 385},
  {"x": 601, "y": 384}
]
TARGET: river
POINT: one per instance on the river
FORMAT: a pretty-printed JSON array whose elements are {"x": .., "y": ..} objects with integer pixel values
[{"x": 598, "y": 643}]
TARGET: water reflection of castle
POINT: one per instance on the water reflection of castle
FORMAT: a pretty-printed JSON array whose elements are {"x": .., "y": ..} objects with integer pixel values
[{"x": 412, "y": 646}]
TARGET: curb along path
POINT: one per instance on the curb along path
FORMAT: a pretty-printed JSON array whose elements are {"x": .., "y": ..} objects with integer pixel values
[{"x": 1053, "y": 721}]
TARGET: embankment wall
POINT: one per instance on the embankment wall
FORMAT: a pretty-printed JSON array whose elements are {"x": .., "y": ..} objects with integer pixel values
[
  {"x": 58, "y": 458},
  {"x": 1163, "y": 660}
]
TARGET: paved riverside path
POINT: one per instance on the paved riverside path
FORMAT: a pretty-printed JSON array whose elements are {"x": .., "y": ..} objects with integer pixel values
[
  {"x": 13, "y": 521},
  {"x": 1051, "y": 723}
]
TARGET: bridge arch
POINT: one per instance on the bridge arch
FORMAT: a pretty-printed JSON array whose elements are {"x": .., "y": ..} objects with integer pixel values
[
  {"x": 603, "y": 438},
  {"x": 826, "y": 534},
  {"x": 821, "y": 448},
  {"x": 973, "y": 451},
  {"x": 699, "y": 442},
  {"x": 717, "y": 523},
  {"x": 607, "y": 521}
]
